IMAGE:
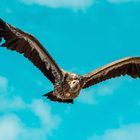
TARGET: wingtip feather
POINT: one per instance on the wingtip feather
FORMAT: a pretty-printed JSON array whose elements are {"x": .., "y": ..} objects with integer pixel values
[
  {"x": 2, "y": 27},
  {"x": 2, "y": 23}
]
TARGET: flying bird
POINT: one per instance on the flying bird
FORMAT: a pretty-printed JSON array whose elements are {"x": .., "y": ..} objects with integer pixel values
[{"x": 67, "y": 86}]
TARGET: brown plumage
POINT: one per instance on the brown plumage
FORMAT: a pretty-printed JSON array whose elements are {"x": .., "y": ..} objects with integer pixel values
[
  {"x": 127, "y": 66},
  {"x": 67, "y": 85},
  {"x": 31, "y": 48}
]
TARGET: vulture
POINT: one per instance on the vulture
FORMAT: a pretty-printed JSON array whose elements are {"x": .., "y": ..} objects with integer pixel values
[{"x": 67, "y": 85}]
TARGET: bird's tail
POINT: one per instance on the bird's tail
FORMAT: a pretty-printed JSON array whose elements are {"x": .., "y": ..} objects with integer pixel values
[{"x": 50, "y": 95}]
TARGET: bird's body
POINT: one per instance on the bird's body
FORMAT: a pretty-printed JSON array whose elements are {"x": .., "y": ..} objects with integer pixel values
[
  {"x": 67, "y": 86},
  {"x": 68, "y": 89}
]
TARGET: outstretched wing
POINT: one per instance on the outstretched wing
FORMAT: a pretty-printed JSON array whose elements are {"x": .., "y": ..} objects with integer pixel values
[
  {"x": 127, "y": 66},
  {"x": 30, "y": 47}
]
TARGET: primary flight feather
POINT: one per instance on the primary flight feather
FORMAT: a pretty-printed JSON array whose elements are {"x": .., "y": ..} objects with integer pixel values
[{"x": 67, "y": 85}]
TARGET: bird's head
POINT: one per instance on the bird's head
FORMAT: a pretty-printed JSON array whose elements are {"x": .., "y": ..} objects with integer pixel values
[{"x": 74, "y": 82}]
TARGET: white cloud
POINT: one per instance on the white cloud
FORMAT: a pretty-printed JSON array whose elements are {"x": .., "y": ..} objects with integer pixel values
[
  {"x": 108, "y": 87},
  {"x": 118, "y": 1},
  {"x": 3, "y": 84},
  {"x": 9, "y": 127},
  {"x": 18, "y": 129},
  {"x": 13, "y": 127},
  {"x": 87, "y": 97},
  {"x": 6, "y": 103},
  {"x": 15, "y": 103},
  {"x": 74, "y": 4},
  {"x": 128, "y": 132},
  {"x": 122, "y": 1},
  {"x": 43, "y": 112},
  {"x": 103, "y": 89}
]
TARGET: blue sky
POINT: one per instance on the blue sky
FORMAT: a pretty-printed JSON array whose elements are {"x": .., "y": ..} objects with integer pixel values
[{"x": 81, "y": 35}]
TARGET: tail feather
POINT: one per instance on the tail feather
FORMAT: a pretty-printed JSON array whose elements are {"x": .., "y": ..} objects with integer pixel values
[
  {"x": 2, "y": 23},
  {"x": 54, "y": 98},
  {"x": 50, "y": 96}
]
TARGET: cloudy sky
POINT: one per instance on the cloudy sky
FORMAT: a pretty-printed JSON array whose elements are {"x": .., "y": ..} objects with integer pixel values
[{"x": 81, "y": 35}]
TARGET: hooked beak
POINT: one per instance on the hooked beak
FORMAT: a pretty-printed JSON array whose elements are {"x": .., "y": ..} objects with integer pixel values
[{"x": 74, "y": 83}]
